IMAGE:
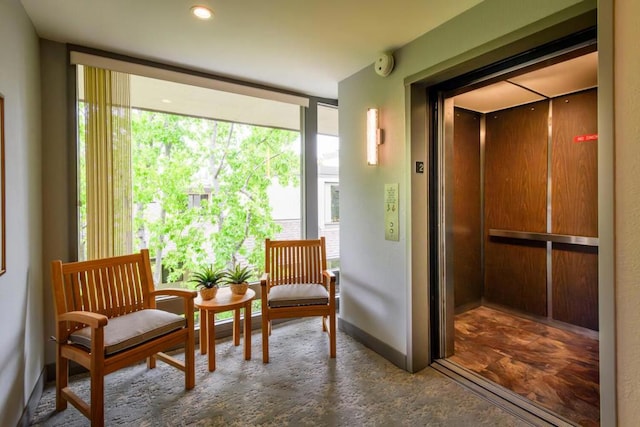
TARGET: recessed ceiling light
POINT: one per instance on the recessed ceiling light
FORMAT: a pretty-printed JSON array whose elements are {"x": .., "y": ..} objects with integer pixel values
[
  {"x": 202, "y": 12},
  {"x": 166, "y": 101}
]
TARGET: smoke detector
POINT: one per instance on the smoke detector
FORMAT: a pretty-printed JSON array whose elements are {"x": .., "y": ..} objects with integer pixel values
[{"x": 384, "y": 64}]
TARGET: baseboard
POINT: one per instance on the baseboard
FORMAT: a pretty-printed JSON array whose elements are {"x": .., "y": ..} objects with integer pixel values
[
  {"x": 34, "y": 400},
  {"x": 383, "y": 349}
]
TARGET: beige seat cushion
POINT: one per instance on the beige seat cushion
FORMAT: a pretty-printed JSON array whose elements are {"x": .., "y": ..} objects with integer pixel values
[
  {"x": 132, "y": 329},
  {"x": 298, "y": 294}
]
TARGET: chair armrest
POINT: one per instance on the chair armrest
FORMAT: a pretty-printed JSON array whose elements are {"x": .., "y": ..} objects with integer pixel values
[
  {"x": 330, "y": 275},
  {"x": 264, "y": 279},
  {"x": 331, "y": 278},
  {"x": 94, "y": 320},
  {"x": 174, "y": 292}
]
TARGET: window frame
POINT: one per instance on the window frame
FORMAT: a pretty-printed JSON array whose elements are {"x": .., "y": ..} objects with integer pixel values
[{"x": 308, "y": 133}]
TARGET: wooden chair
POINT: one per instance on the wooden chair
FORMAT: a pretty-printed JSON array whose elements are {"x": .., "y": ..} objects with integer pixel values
[
  {"x": 106, "y": 319},
  {"x": 296, "y": 283}
]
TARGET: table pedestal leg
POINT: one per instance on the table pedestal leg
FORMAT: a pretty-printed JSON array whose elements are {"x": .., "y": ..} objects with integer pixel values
[
  {"x": 236, "y": 327},
  {"x": 211, "y": 325},
  {"x": 247, "y": 331},
  {"x": 203, "y": 331}
]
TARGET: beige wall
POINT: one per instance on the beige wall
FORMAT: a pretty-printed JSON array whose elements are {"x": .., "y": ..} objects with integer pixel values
[
  {"x": 21, "y": 335},
  {"x": 627, "y": 208}
]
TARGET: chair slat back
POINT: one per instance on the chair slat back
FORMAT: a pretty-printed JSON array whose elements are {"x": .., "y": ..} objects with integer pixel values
[
  {"x": 110, "y": 286},
  {"x": 295, "y": 261}
]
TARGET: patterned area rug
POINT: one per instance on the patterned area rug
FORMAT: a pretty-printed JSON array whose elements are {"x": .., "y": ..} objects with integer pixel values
[{"x": 301, "y": 386}]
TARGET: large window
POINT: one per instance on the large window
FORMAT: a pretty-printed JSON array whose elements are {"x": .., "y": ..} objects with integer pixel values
[
  {"x": 213, "y": 175},
  {"x": 328, "y": 154}
]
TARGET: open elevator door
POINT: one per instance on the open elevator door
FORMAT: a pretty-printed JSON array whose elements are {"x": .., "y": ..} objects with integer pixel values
[
  {"x": 514, "y": 194},
  {"x": 533, "y": 189}
]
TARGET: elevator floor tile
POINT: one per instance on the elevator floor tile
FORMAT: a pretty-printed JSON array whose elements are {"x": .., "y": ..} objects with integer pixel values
[{"x": 556, "y": 368}]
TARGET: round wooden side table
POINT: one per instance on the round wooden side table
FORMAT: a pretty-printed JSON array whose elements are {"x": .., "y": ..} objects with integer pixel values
[{"x": 224, "y": 301}]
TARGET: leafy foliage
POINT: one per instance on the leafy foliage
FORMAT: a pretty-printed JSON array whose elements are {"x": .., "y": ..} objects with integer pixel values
[
  {"x": 231, "y": 164},
  {"x": 208, "y": 277},
  {"x": 238, "y": 274}
]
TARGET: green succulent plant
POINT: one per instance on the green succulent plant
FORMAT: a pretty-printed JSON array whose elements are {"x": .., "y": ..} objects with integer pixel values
[
  {"x": 208, "y": 277},
  {"x": 238, "y": 274}
]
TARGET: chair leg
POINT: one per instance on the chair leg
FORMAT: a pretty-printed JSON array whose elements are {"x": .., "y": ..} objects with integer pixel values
[
  {"x": 324, "y": 323},
  {"x": 151, "y": 362},
  {"x": 62, "y": 380},
  {"x": 190, "y": 361},
  {"x": 332, "y": 335},
  {"x": 97, "y": 398},
  {"x": 266, "y": 331}
]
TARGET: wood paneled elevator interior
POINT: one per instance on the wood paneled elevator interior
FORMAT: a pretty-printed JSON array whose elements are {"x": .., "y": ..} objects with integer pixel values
[
  {"x": 522, "y": 250},
  {"x": 518, "y": 227}
]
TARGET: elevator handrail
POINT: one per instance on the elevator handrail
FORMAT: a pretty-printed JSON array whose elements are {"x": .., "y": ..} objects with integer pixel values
[{"x": 545, "y": 237}]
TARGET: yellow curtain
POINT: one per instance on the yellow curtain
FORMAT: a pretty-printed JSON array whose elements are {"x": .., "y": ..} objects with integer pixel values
[{"x": 108, "y": 163}]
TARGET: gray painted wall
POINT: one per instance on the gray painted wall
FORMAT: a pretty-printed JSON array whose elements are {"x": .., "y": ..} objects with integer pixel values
[{"x": 21, "y": 307}]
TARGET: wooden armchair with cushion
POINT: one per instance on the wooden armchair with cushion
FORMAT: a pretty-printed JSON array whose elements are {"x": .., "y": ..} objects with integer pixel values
[
  {"x": 106, "y": 319},
  {"x": 296, "y": 283}
]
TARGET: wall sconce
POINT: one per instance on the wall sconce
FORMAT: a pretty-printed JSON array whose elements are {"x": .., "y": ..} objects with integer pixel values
[{"x": 374, "y": 136}]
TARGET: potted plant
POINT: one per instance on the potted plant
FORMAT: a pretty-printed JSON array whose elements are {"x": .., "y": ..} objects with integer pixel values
[
  {"x": 237, "y": 277},
  {"x": 207, "y": 280}
]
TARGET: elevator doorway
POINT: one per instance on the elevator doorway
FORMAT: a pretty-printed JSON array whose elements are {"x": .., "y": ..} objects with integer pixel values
[{"x": 516, "y": 189}]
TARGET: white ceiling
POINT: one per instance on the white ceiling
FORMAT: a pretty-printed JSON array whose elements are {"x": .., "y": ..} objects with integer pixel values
[{"x": 306, "y": 46}]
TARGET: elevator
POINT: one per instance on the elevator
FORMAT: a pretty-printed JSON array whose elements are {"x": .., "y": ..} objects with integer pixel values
[{"x": 516, "y": 198}]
